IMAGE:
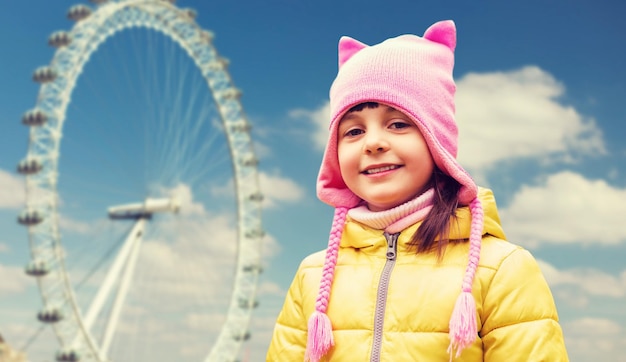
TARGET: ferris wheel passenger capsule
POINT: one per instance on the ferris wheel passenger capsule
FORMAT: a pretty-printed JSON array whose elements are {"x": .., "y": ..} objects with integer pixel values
[
  {"x": 249, "y": 160},
  {"x": 29, "y": 217},
  {"x": 241, "y": 126},
  {"x": 68, "y": 355},
  {"x": 44, "y": 74},
  {"x": 37, "y": 268},
  {"x": 207, "y": 36},
  {"x": 220, "y": 63},
  {"x": 191, "y": 13},
  {"x": 257, "y": 196},
  {"x": 255, "y": 233},
  {"x": 29, "y": 166},
  {"x": 231, "y": 93},
  {"x": 59, "y": 39},
  {"x": 242, "y": 336},
  {"x": 253, "y": 268},
  {"x": 50, "y": 315},
  {"x": 78, "y": 12},
  {"x": 248, "y": 303},
  {"x": 225, "y": 62},
  {"x": 35, "y": 117}
]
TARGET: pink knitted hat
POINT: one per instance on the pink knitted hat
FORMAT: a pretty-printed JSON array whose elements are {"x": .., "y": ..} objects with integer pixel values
[{"x": 414, "y": 75}]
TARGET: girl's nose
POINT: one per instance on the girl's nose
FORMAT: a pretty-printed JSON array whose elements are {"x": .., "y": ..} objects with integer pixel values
[{"x": 375, "y": 142}]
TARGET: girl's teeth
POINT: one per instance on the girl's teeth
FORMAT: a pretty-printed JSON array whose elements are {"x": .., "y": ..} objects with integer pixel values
[{"x": 380, "y": 169}]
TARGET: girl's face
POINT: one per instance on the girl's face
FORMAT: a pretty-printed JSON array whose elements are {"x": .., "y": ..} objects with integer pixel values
[{"x": 383, "y": 157}]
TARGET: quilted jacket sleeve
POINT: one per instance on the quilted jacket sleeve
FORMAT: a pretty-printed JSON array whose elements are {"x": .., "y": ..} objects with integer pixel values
[
  {"x": 290, "y": 332},
  {"x": 520, "y": 321}
]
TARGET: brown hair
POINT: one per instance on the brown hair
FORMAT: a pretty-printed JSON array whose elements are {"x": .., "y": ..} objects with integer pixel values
[
  {"x": 361, "y": 106},
  {"x": 434, "y": 230}
]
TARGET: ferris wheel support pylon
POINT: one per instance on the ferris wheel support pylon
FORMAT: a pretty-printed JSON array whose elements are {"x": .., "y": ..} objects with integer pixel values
[
  {"x": 111, "y": 325},
  {"x": 46, "y": 122}
]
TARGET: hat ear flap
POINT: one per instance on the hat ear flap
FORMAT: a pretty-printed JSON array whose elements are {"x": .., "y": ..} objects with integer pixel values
[
  {"x": 347, "y": 48},
  {"x": 442, "y": 32}
]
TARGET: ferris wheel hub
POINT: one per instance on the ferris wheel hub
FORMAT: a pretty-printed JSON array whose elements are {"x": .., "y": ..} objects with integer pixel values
[{"x": 144, "y": 210}]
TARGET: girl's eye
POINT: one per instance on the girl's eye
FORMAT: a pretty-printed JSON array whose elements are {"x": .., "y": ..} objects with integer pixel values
[
  {"x": 354, "y": 132},
  {"x": 400, "y": 125}
]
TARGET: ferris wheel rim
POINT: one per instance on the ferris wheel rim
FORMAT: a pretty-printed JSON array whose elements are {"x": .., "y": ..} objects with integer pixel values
[{"x": 44, "y": 141}]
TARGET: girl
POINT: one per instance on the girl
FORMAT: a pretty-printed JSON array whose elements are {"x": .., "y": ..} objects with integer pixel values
[{"x": 417, "y": 267}]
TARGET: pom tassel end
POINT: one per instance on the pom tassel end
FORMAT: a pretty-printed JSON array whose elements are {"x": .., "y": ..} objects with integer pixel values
[
  {"x": 320, "y": 337},
  {"x": 463, "y": 328}
]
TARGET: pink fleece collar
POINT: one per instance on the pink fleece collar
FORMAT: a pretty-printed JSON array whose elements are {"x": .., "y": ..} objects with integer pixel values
[{"x": 398, "y": 218}]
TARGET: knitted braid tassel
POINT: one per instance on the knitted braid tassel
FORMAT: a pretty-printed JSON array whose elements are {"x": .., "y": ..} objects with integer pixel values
[
  {"x": 463, "y": 325},
  {"x": 320, "y": 330},
  {"x": 320, "y": 337}
]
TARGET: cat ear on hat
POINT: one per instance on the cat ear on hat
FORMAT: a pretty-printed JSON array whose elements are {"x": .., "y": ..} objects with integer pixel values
[
  {"x": 348, "y": 47},
  {"x": 442, "y": 32}
]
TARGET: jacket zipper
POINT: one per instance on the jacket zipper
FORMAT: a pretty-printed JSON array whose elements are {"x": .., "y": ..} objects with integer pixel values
[{"x": 381, "y": 297}]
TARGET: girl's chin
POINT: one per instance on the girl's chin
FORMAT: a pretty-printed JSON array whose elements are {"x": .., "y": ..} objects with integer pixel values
[{"x": 383, "y": 206}]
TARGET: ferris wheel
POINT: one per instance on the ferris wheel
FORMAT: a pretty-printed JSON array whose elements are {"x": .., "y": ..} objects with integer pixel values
[{"x": 147, "y": 222}]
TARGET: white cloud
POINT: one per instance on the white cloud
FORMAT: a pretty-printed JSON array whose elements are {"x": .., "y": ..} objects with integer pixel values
[
  {"x": 595, "y": 339},
  {"x": 597, "y": 326},
  {"x": 14, "y": 280},
  {"x": 261, "y": 150},
  {"x": 186, "y": 253},
  {"x": 513, "y": 115},
  {"x": 269, "y": 248},
  {"x": 263, "y": 328},
  {"x": 41, "y": 349},
  {"x": 572, "y": 297},
  {"x": 12, "y": 192},
  {"x": 269, "y": 288},
  {"x": 275, "y": 188},
  {"x": 278, "y": 189},
  {"x": 591, "y": 282},
  {"x": 589, "y": 338},
  {"x": 566, "y": 208},
  {"x": 184, "y": 196},
  {"x": 320, "y": 118},
  {"x": 262, "y": 325},
  {"x": 69, "y": 225}
]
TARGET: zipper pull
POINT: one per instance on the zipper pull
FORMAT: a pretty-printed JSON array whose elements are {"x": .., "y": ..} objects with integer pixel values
[{"x": 392, "y": 245}]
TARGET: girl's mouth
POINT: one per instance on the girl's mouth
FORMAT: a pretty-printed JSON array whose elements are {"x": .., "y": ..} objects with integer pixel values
[{"x": 375, "y": 170}]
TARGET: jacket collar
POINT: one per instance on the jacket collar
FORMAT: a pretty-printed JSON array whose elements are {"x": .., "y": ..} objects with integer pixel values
[{"x": 358, "y": 235}]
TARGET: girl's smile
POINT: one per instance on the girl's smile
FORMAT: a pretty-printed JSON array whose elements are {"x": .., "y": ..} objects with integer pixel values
[{"x": 379, "y": 169}]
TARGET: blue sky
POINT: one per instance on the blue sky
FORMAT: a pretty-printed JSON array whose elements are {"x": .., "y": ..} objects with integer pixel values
[{"x": 540, "y": 109}]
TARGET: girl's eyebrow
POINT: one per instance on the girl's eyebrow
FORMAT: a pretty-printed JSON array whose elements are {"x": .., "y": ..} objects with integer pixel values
[
  {"x": 348, "y": 116},
  {"x": 343, "y": 126},
  {"x": 352, "y": 115},
  {"x": 391, "y": 110}
]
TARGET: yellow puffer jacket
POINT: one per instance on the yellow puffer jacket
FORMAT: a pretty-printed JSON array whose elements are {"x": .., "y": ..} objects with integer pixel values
[{"x": 517, "y": 318}]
